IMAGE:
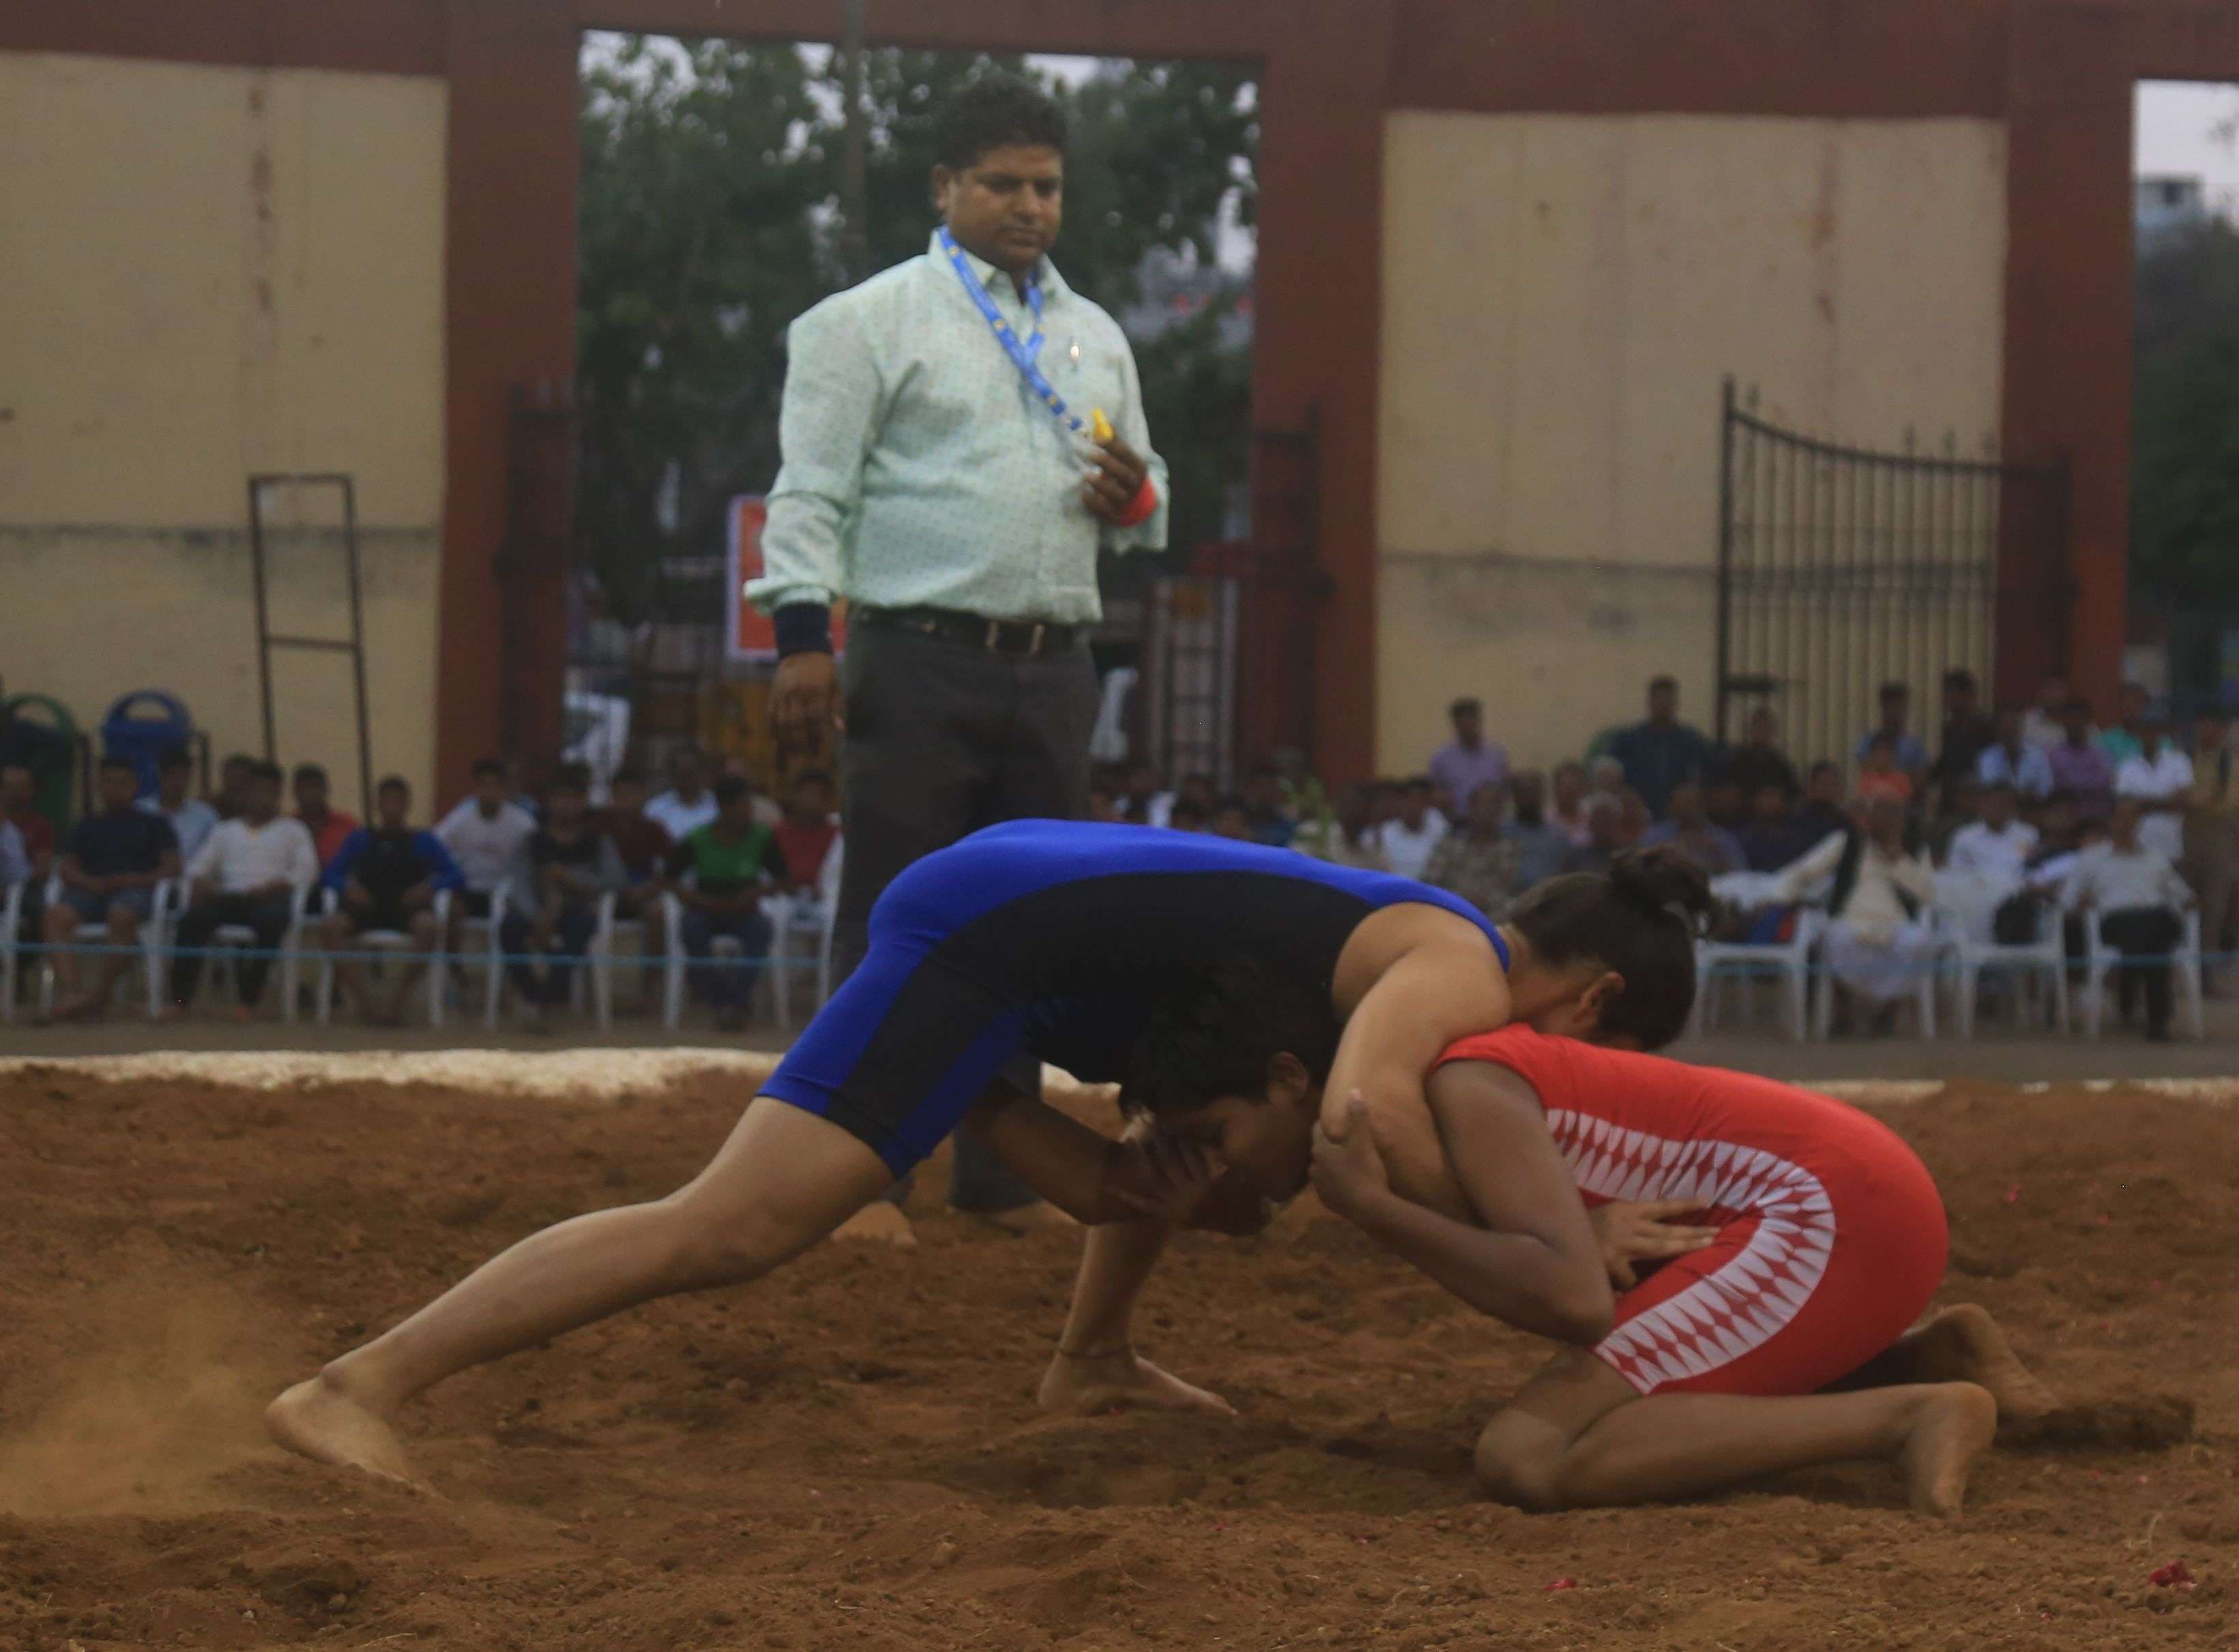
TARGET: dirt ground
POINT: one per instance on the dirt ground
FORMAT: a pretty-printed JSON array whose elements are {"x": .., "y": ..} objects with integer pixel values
[{"x": 847, "y": 1456}]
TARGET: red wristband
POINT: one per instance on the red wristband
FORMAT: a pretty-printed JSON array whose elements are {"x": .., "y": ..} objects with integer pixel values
[{"x": 1139, "y": 507}]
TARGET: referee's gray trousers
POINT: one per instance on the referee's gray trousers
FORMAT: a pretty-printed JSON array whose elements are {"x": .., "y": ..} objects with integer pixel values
[{"x": 943, "y": 738}]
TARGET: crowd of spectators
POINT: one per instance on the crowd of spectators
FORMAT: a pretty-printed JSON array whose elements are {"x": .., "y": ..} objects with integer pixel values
[
  {"x": 539, "y": 863},
  {"x": 2046, "y": 816}
]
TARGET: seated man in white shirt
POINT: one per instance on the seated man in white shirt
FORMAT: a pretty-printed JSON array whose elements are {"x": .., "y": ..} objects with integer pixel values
[
  {"x": 250, "y": 871},
  {"x": 488, "y": 834},
  {"x": 2133, "y": 892},
  {"x": 1989, "y": 866},
  {"x": 1997, "y": 846},
  {"x": 2160, "y": 777},
  {"x": 1410, "y": 835},
  {"x": 688, "y": 804},
  {"x": 1880, "y": 940}
]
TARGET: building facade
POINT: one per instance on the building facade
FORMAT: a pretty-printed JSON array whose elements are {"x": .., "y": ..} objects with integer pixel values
[{"x": 1508, "y": 249}]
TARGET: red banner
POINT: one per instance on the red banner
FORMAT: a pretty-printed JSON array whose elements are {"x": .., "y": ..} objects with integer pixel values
[{"x": 747, "y": 631}]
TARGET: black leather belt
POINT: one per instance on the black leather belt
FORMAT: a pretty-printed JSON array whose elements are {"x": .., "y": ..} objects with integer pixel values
[{"x": 1028, "y": 637}]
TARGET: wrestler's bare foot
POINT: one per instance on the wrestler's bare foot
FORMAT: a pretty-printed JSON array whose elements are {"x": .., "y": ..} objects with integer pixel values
[
  {"x": 1080, "y": 1387},
  {"x": 1950, "y": 1433},
  {"x": 1039, "y": 1217},
  {"x": 878, "y": 1222},
  {"x": 1964, "y": 1345},
  {"x": 317, "y": 1419}
]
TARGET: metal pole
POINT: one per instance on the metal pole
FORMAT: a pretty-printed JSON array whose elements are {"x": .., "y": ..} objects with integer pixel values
[
  {"x": 263, "y": 622},
  {"x": 1310, "y": 595},
  {"x": 357, "y": 649},
  {"x": 1726, "y": 543},
  {"x": 2062, "y": 482}
]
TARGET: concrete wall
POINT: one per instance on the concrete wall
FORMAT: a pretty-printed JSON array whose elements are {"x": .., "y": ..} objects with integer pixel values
[
  {"x": 209, "y": 272},
  {"x": 1561, "y": 297}
]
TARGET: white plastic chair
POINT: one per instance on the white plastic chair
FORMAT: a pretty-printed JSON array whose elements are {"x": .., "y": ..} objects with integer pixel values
[
  {"x": 1923, "y": 991},
  {"x": 392, "y": 940},
  {"x": 673, "y": 975},
  {"x": 1973, "y": 952},
  {"x": 804, "y": 917},
  {"x": 228, "y": 937},
  {"x": 2100, "y": 961},
  {"x": 592, "y": 973},
  {"x": 151, "y": 947},
  {"x": 1789, "y": 960},
  {"x": 597, "y": 968},
  {"x": 672, "y": 969},
  {"x": 493, "y": 951},
  {"x": 11, "y": 947},
  {"x": 613, "y": 931}
]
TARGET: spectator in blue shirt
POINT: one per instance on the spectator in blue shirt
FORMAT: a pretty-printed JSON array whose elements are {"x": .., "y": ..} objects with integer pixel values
[
  {"x": 109, "y": 869},
  {"x": 1911, "y": 751},
  {"x": 1772, "y": 839},
  {"x": 1543, "y": 849},
  {"x": 386, "y": 876},
  {"x": 1693, "y": 833},
  {"x": 15, "y": 859},
  {"x": 2014, "y": 759},
  {"x": 1263, "y": 797},
  {"x": 1661, "y": 752},
  {"x": 191, "y": 819}
]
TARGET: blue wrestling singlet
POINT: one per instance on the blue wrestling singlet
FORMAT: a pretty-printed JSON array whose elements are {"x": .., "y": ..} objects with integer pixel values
[{"x": 1054, "y": 939}]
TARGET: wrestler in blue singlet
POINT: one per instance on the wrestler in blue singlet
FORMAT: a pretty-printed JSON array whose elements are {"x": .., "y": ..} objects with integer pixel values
[{"x": 1052, "y": 940}]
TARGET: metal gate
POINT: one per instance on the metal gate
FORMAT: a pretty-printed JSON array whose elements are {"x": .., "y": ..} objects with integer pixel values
[
  {"x": 1189, "y": 679},
  {"x": 1840, "y": 570}
]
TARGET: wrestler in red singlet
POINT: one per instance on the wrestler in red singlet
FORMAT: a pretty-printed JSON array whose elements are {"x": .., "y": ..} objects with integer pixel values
[{"x": 1831, "y": 1239}]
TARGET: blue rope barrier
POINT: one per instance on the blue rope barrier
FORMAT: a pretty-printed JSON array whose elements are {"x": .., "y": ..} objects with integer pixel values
[
  {"x": 1761, "y": 969},
  {"x": 398, "y": 955}
]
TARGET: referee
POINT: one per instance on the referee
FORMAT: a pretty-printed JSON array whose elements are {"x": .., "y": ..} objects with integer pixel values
[{"x": 961, "y": 433}]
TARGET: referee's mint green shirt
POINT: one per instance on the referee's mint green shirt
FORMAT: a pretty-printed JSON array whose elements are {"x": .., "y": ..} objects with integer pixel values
[{"x": 921, "y": 471}]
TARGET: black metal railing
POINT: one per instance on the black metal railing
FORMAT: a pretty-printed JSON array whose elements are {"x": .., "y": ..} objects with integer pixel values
[{"x": 1841, "y": 569}]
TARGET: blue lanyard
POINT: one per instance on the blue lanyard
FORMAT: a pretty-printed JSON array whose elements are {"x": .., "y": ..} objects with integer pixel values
[{"x": 1022, "y": 352}]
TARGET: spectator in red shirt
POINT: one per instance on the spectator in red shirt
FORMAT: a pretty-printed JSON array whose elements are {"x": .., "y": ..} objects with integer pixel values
[
  {"x": 643, "y": 842},
  {"x": 330, "y": 828},
  {"x": 645, "y": 846},
  {"x": 1881, "y": 776},
  {"x": 19, "y": 793},
  {"x": 805, "y": 835}
]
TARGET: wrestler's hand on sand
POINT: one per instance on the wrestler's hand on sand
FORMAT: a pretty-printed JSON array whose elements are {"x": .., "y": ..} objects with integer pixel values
[
  {"x": 1120, "y": 1379},
  {"x": 1347, "y": 1167},
  {"x": 1161, "y": 1177},
  {"x": 1647, "y": 1233}
]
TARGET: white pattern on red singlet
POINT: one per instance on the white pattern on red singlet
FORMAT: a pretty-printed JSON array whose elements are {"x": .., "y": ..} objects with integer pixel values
[{"x": 1726, "y": 1314}]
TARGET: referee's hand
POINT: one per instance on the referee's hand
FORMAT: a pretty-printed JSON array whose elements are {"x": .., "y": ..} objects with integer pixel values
[
  {"x": 1111, "y": 487},
  {"x": 805, "y": 701}
]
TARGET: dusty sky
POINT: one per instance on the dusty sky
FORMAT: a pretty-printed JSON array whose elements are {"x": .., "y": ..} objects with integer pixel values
[{"x": 2189, "y": 126}]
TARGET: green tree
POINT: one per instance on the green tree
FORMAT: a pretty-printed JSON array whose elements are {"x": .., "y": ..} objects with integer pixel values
[
  {"x": 2184, "y": 466},
  {"x": 710, "y": 203},
  {"x": 698, "y": 248}
]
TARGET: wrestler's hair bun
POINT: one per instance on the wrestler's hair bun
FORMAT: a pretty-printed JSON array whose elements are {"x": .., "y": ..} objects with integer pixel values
[{"x": 1663, "y": 880}]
